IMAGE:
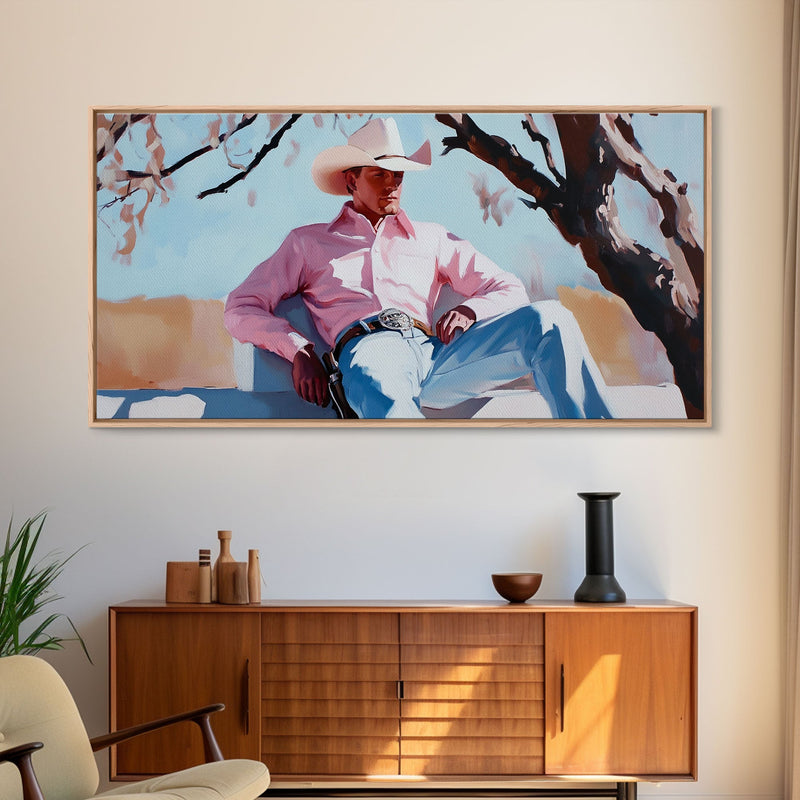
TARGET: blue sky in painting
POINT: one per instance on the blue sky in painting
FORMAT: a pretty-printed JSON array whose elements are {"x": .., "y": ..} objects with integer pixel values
[{"x": 204, "y": 248}]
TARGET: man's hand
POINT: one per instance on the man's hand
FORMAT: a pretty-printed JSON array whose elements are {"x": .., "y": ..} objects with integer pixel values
[
  {"x": 309, "y": 377},
  {"x": 456, "y": 319}
]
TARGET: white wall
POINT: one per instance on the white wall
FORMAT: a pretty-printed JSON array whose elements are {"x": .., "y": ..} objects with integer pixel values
[{"x": 411, "y": 513}]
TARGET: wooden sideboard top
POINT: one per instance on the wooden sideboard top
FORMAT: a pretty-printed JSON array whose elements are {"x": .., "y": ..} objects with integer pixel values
[{"x": 405, "y": 605}]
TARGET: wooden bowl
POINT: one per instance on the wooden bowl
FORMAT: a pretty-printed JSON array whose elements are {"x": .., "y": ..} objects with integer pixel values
[{"x": 517, "y": 587}]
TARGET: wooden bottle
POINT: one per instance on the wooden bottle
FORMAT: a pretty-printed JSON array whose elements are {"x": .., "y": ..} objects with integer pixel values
[
  {"x": 253, "y": 576},
  {"x": 223, "y": 558}
]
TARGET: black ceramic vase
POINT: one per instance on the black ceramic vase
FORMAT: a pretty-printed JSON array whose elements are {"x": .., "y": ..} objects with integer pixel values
[{"x": 599, "y": 585}]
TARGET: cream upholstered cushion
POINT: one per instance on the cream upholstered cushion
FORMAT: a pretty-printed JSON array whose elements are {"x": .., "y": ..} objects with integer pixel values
[
  {"x": 36, "y": 706},
  {"x": 235, "y": 779}
]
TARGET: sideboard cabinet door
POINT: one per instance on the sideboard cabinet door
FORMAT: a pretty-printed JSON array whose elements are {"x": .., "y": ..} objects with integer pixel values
[
  {"x": 472, "y": 693},
  {"x": 167, "y": 662},
  {"x": 620, "y": 693},
  {"x": 330, "y": 694}
]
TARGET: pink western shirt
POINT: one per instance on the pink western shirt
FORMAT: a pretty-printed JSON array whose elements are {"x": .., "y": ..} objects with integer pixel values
[{"x": 346, "y": 271}]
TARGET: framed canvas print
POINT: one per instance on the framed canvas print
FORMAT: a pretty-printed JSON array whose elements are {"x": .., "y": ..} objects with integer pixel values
[{"x": 426, "y": 267}]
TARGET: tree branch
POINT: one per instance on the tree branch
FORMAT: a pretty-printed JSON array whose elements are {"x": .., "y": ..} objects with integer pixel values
[
  {"x": 499, "y": 153},
  {"x": 182, "y": 162},
  {"x": 118, "y": 124},
  {"x": 259, "y": 157},
  {"x": 530, "y": 127},
  {"x": 679, "y": 223},
  {"x": 246, "y": 121}
]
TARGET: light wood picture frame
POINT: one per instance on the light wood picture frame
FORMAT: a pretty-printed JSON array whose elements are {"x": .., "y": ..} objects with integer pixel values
[{"x": 602, "y": 214}]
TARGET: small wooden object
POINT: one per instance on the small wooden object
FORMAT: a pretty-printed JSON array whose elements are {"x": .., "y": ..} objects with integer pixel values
[
  {"x": 182, "y": 581},
  {"x": 204, "y": 577},
  {"x": 232, "y": 583},
  {"x": 223, "y": 557},
  {"x": 253, "y": 576}
]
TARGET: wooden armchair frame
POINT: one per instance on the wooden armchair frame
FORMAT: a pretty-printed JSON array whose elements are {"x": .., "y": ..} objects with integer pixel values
[{"x": 20, "y": 756}]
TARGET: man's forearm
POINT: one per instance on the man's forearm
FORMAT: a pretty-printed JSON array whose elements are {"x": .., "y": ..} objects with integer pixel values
[{"x": 255, "y": 325}]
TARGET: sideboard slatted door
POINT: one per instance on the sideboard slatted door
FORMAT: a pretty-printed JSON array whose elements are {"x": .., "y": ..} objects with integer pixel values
[
  {"x": 473, "y": 694},
  {"x": 329, "y": 694}
]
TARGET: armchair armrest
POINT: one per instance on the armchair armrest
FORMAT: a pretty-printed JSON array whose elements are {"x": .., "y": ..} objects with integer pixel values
[
  {"x": 200, "y": 716},
  {"x": 20, "y": 756}
]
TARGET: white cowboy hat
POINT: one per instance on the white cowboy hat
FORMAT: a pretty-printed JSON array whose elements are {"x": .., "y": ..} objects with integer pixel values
[{"x": 376, "y": 144}]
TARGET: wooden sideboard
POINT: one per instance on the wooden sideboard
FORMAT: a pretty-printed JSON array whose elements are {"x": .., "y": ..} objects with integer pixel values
[{"x": 370, "y": 692}]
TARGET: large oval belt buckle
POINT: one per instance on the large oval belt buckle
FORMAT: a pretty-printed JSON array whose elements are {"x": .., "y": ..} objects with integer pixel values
[{"x": 393, "y": 319}]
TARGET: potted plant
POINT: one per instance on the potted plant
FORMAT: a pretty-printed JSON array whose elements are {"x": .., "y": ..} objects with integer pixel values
[{"x": 26, "y": 588}]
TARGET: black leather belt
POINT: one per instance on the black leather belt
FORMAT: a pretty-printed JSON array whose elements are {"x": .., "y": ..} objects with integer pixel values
[{"x": 390, "y": 319}]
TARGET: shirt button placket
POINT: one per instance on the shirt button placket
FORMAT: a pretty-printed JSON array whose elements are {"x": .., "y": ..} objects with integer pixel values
[{"x": 379, "y": 268}]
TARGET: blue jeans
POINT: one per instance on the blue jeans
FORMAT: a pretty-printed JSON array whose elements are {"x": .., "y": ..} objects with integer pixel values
[{"x": 388, "y": 374}]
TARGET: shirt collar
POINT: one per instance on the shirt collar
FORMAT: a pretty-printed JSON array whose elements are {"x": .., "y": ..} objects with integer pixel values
[{"x": 349, "y": 216}]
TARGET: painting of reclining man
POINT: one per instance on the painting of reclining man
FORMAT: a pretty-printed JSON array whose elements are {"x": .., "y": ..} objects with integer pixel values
[{"x": 426, "y": 267}]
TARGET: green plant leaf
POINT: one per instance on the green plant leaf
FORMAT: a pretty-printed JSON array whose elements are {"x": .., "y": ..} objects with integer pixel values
[{"x": 26, "y": 588}]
